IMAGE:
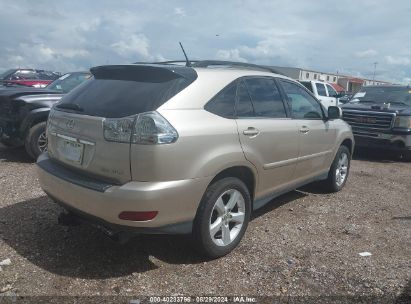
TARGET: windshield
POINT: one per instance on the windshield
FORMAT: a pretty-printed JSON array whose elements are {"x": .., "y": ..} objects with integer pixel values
[
  {"x": 400, "y": 95},
  {"x": 68, "y": 81},
  {"x": 5, "y": 74}
]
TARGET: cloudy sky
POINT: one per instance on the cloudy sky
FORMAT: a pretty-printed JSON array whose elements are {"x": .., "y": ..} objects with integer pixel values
[{"x": 347, "y": 36}]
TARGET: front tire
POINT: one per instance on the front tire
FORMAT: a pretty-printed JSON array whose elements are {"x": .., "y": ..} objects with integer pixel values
[
  {"x": 222, "y": 217},
  {"x": 406, "y": 156},
  {"x": 36, "y": 140},
  {"x": 339, "y": 170}
]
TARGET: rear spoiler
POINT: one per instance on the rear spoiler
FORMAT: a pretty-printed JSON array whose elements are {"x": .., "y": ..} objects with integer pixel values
[{"x": 143, "y": 72}]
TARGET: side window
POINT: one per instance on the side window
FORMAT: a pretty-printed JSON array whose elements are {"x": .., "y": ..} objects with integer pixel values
[
  {"x": 266, "y": 98},
  {"x": 307, "y": 84},
  {"x": 331, "y": 91},
  {"x": 223, "y": 103},
  {"x": 244, "y": 105},
  {"x": 321, "y": 89},
  {"x": 24, "y": 74},
  {"x": 302, "y": 104}
]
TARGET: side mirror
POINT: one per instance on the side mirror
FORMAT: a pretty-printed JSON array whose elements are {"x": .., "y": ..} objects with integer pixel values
[
  {"x": 334, "y": 112},
  {"x": 339, "y": 95}
]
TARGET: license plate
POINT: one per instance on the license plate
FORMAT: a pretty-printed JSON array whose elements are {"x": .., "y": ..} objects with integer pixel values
[{"x": 72, "y": 151}]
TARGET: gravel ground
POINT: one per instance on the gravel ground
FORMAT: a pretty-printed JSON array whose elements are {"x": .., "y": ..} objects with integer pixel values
[{"x": 305, "y": 243}]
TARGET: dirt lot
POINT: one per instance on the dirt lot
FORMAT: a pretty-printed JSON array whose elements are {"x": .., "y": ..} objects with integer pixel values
[{"x": 305, "y": 243}]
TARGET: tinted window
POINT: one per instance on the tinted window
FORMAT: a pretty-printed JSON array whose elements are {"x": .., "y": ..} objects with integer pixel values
[
  {"x": 302, "y": 104},
  {"x": 266, "y": 98},
  {"x": 331, "y": 91},
  {"x": 244, "y": 105},
  {"x": 68, "y": 82},
  {"x": 223, "y": 103},
  {"x": 307, "y": 85},
  {"x": 119, "y": 98},
  {"x": 321, "y": 89}
]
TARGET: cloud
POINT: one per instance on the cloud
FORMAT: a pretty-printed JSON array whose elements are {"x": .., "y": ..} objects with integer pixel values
[
  {"x": 366, "y": 53},
  {"x": 406, "y": 80},
  {"x": 134, "y": 45},
  {"x": 179, "y": 11},
  {"x": 230, "y": 55},
  {"x": 77, "y": 34},
  {"x": 398, "y": 60}
]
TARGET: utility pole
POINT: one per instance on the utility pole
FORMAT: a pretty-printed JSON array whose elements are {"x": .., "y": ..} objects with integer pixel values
[{"x": 373, "y": 75}]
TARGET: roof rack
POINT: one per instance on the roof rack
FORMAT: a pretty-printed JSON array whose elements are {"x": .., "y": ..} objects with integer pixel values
[{"x": 208, "y": 63}]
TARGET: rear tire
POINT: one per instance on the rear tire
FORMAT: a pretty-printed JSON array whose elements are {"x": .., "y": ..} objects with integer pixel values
[
  {"x": 36, "y": 140},
  {"x": 339, "y": 170},
  {"x": 222, "y": 217}
]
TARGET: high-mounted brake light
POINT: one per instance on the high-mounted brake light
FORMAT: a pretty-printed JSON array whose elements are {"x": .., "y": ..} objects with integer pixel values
[{"x": 147, "y": 128}]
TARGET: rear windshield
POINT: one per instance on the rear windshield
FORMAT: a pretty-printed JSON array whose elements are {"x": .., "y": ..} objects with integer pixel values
[{"x": 124, "y": 95}]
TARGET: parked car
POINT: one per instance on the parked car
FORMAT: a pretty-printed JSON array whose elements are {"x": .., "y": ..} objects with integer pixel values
[
  {"x": 161, "y": 148},
  {"x": 345, "y": 97},
  {"x": 24, "y": 112},
  {"x": 324, "y": 92},
  {"x": 380, "y": 117},
  {"x": 28, "y": 77}
]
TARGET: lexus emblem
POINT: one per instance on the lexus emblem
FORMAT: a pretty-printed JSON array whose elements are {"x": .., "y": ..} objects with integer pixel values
[{"x": 70, "y": 124}]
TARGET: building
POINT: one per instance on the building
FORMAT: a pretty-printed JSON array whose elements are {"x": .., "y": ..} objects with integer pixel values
[{"x": 339, "y": 82}]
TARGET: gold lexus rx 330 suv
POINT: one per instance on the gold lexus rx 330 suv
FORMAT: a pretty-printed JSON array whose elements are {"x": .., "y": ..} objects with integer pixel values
[{"x": 167, "y": 148}]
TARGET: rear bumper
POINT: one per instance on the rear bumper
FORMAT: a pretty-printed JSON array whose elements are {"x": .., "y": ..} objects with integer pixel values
[{"x": 175, "y": 201}]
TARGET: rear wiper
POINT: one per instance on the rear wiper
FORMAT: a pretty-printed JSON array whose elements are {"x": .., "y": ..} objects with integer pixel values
[{"x": 70, "y": 106}]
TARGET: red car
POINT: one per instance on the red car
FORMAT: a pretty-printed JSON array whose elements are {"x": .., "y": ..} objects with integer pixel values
[{"x": 28, "y": 77}]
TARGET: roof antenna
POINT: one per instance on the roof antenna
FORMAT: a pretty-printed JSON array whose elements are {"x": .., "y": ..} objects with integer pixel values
[{"x": 188, "y": 64}]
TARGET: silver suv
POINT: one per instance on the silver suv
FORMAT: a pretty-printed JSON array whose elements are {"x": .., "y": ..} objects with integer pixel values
[{"x": 166, "y": 148}]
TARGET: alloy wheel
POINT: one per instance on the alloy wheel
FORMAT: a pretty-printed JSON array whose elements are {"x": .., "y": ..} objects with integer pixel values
[
  {"x": 342, "y": 169},
  {"x": 227, "y": 217},
  {"x": 42, "y": 142}
]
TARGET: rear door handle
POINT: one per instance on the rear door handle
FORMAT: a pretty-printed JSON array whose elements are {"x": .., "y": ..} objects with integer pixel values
[
  {"x": 304, "y": 129},
  {"x": 251, "y": 132}
]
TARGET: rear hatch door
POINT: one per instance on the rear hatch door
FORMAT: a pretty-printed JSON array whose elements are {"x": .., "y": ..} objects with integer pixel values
[{"x": 114, "y": 96}]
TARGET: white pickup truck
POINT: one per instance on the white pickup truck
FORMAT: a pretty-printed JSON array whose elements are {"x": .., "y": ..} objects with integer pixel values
[{"x": 324, "y": 92}]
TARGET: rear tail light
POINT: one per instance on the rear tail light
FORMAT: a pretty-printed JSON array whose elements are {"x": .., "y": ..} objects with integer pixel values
[
  {"x": 137, "y": 216},
  {"x": 118, "y": 129},
  {"x": 146, "y": 128}
]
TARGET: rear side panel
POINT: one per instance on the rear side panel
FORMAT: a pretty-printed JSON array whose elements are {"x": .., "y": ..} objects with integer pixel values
[{"x": 206, "y": 145}]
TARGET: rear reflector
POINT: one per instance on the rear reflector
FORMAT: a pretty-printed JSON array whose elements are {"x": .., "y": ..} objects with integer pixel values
[{"x": 138, "y": 216}]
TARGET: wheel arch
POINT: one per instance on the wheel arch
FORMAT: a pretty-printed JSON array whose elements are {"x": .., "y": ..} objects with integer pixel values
[
  {"x": 349, "y": 144},
  {"x": 34, "y": 117},
  {"x": 244, "y": 173}
]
